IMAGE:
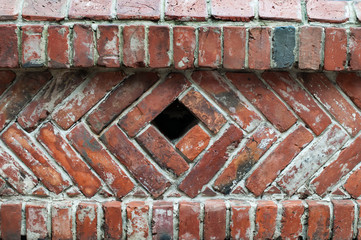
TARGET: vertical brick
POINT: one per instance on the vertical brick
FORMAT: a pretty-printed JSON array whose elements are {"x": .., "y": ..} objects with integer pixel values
[
  {"x": 92, "y": 9},
  {"x": 318, "y": 220},
  {"x": 335, "y": 49},
  {"x": 240, "y": 227},
  {"x": 134, "y": 46},
  {"x": 129, "y": 9},
  {"x": 284, "y": 43},
  {"x": 237, "y": 10},
  {"x": 44, "y": 10},
  {"x": 10, "y": 217},
  {"x": 358, "y": 202},
  {"x": 280, "y": 10},
  {"x": 209, "y": 41},
  {"x": 259, "y": 50},
  {"x": 343, "y": 222},
  {"x": 58, "y": 47},
  {"x": 83, "y": 46},
  {"x": 36, "y": 221},
  {"x": 113, "y": 223},
  {"x": 9, "y": 10},
  {"x": 291, "y": 225},
  {"x": 61, "y": 221},
  {"x": 86, "y": 221},
  {"x": 266, "y": 213},
  {"x": 6, "y": 78},
  {"x": 33, "y": 51},
  {"x": 215, "y": 219},
  {"x": 159, "y": 46},
  {"x": 184, "y": 45},
  {"x": 162, "y": 221},
  {"x": 310, "y": 45},
  {"x": 193, "y": 10},
  {"x": 189, "y": 220},
  {"x": 234, "y": 47},
  {"x": 9, "y": 56},
  {"x": 108, "y": 45},
  {"x": 355, "y": 48},
  {"x": 327, "y": 11},
  {"x": 137, "y": 220}
]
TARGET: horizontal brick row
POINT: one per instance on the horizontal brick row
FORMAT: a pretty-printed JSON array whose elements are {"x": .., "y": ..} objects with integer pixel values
[{"x": 138, "y": 46}]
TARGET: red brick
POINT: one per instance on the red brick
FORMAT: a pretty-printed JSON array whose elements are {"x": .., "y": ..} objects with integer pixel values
[
  {"x": 184, "y": 45},
  {"x": 327, "y": 11},
  {"x": 152, "y": 105},
  {"x": 214, "y": 219},
  {"x": 358, "y": 202},
  {"x": 357, "y": 7},
  {"x": 193, "y": 10},
  {"x": 9, "y": 10},
  {"x": 58, "y": 47},
  {"x": 310, "y": 45},
  {"x": 280, "y": 10},
  {"x": 189, "y": 220},
  {"x": 34, "y": 158},
  {"x": 162, "y": 151},
  {"x": 130, "y": 9},
  {"x": 301, "y": 102},
  {"x": 86, "y": 221},
  {"x": 91, "y": 9},
  {"x": 238, "y": 10},
  {"x": 352, "y": 185},
  {"x": 36, "y": 221},
  {"x": 270, "y": 168},
  {"x": 215, "y": 86},
  {"x": 9, "y": 56},
  {"x": 265, "y": 100},
  {"x": 350, "y": 83},
  {"x": 141, "y": 168},
  {"x": 6, "y": 78},
  {"x": 344, "y": 215},
  {"x": 259, "y": 50},
  {"x": 33, "y": 51},
  {"x": 291, "y": 225},
  {"x": 119, "y": 99},
  {"x": 162, "y": 220},
  {"x": 87, "y": 96},
  {"x": 10, "y": 217},
  {"x": 134, "y": 46},
  {"x": 209, "y": 41},
  {"x": 355, "y": 49},
  {"x": 234, "y": 47},
  {"x": 108, "y": 45},
  {"x": 194, "y": 142},
  {"x": 211, "y": 163},
  {"x": 158, "y": 46},
  {"x": 113, "y": 223},
  {"x": 266, "y": 214},
  {"x": 318, "y": 220},
  {"x": 102, "y": 163},
  {"x": 61, "y": 221},
  {"x": 333, "y": 101},
  {"x": 335, "y": 49},
  {"x": 44, "y": 10},
  {"x": 240, "y": 227},
  {"x": 60, "y": 150},
  {"x": 83, "y": 46},
  {"x": 137, "y": 220}
]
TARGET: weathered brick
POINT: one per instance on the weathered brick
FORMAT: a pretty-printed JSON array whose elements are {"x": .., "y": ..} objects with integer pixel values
[
  {"x": 344, "y": 215},
  {"x": 212, "y": 161},
  {"x": 61, "y": 221},
  {"x": 283, "y": 45},
  {"x": 324, "y": 91},
  {"x": 36, "y": 216},
  {"x": 335, "y": 49},
  {"x": 44, "y": 10},
  {"x": 91, "y": 9},
  {"x": 259, "y": 50},
  {"x": 306, "y": 164},
  {"x": 184, "y": 45},
  {"x": 137, "y": 220},
  {"x": 89, "y": 94},
  {"x": 58, "y": 47},
  {"x": 193, "y": 10},
  {"x": 350, "y": 83},
  {"x": 6, "y": 78},
  {"x": 108, "y": 45},
  {"x": 209, "y": 42},
  {"x": 83, "y": 46},
  {"x": 152, "y": 105},
  {"x": 249, "y": 155},
  {"x": 162, "y": 151},
  {"x": 10, "y": 217},
  {"x": 33, "y": 51},
  {"x": 158, "y": 46},
  {"x": 214, "y": 219},
  {"x": 118, "y": 100},
  {"x": 234, "y": 47},
  {"x": 318, "y": 220},
  {"x": 134, "y": 46},
  {"x": 291, "y": 221},
  {"x": 327, "y": 11},
  {"x": 358, "y": 227},
  {"x": 352, "y": 185},
  {"x": 214, "y": 85},
  {"x": 129, "y": 9},
  {"x": 113, "y": 223},
  {"x": 189, "y": 220},
  {"x": 310, "y": 45},
  {"x": 86, "y": 221},
  {"x": 268, "y": 171},
  {"x": 264, "y": 99},
  {"x": 34, "y": 158},
  {"x": 301, "y": 102},
  {"x": 162, "y": 220},
  {"x": 9, "y": 10},
  {"x": 266, "y": 213},
  {"x": 280, "y": 10},
  {"x": 9, "y": 56},
  {"x": 142, "y": 169},
  {"x": 355, "y": 49},
  {"x": 240, "y": 227},
  {"x": 237, "y": 10}
]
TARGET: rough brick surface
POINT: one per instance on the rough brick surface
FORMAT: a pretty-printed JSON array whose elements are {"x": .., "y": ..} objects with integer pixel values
[
  {"x": 214, "y": 219},
  {"x": 10, "y": 217},
  {"x": 193, "y": 10},
  {"x": 129, "y": 9},
  {"x": 61, "y": 221},
  {"x": 283, "y": 45},
  {"x": 240, "y": 227},
  {"x": 134, "y": 46},
  {"x": 189, "y": 220},
  {"x": 310, "y": 45},
  {"x": 44, "y": 10},
  {"x": 33, "y": 52},
  {"x": 92, "y": 9},
  {"x": 291, "y": 220},
  {"x": 137, "y": 215},
  {"x": 355, "y": 49},
  {"x": 265, "y": 219},
  {"x": 36, "y": 221},
  {"x": 239, "y": 10},
  {"x": 83, "y": 51},
  {"x": 86, "y": 221},
  {"x": 58, "y": 47},
  {"x": 184, "y": 45},
  {"x": 162, "y": 220},
  {"x": 319, "y": 220},
  {"x": 335, "y": 49},
  {"x": 234, "y": 47},
  {"x": 209, "y": 42},
  {"x": 327, "y": 11},
  {"x": 158, "y": 46},
  {"x": 350, "y": 83},
  {"x": 9, "y": 9},
  {"x": 6, "y": 78},
  {"x": 259, "y": 50},
  {"x": 280, "y": 10},
  {"x": 343, "y": 222},
  {"x": 113, "y": 225},
  {"x": 108, "y": 45}
]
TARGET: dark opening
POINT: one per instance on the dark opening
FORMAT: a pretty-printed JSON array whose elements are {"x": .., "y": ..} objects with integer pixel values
[{"x": 175, "y": 120}]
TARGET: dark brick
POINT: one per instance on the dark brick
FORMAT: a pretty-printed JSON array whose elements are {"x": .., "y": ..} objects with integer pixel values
[{"x": 284, "y": 43}]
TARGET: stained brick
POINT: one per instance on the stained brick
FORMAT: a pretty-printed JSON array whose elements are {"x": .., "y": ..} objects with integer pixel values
[
  {"x": 355, "y": 48},
  {"x": 189, "y": 220},
  {"x": 270, "y": 168},
  {"x": 352, "y": 185},
  {"x": 280, "y": 10},
  {"x": 266, "y": 213},
  {"x": 318, "y": 220},
  {"x": 265, "y": 100},
  {"x": 327, "y": 11},
  {"x": 9, "y": 56},
  {"x": 237, "y": 10},
  {"x": 283, "y": 46},
  {"x": 259, "y": 50},
  {"x": 36, "y": 221},
  {"x": 9, "y": 10},
  {"x": 234, "y": 47},
  {"x": 184, "y": 45},
  {"x": 92, "y": 9},
  {"x": 86, "y": 221},
  {"x": 350, "y": 83},
  {"x": 108, "y": 45},
  {"x": 291, "y": 221},
  {"x": 335, "y": 49},
  {"x": 58, "y": 47},
  {"x": 134, "y": 46},
  {"x": 212, "y": 161},
  {"x": 129, "y": 9},
  {"x": 137, "y": 220},
  {"x": 33, "y": 51},
  {"x": 344, "y": 215},
  {"x": 215, "y": 219},
  {"x": 113, "y": 223},
  {"x": 357, "y": 7},
  {"x": 240, "y": 227},
  {"x": 358, "y": 229},
  {"x": 83, "y": 46},
  {"x": 61, "y": 221},
  {"x": 44, "y": 10},
  {"x": 209, "y": 42},
  {"x": 10, "y": 217},
  {"x": 162, "y": 227},
  {"x": 6, "y": 78},
  {"x": 310, "y": 45},
  {"x": 89, "y": 94},
  {"x": 158, "y": 46},
  {"x": 193, "y": 10}
]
